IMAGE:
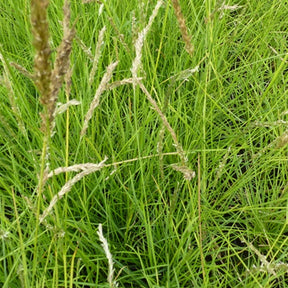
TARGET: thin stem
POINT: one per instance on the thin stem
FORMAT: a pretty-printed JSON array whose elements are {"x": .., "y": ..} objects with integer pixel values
[{"x": 200, "y": 220}]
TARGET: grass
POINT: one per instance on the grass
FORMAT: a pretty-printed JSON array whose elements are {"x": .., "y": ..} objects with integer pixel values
[{"x": 194, "y": 190}]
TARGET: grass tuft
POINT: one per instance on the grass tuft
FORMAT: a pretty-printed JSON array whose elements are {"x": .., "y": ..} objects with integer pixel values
[{"x": 193, "y": 190}]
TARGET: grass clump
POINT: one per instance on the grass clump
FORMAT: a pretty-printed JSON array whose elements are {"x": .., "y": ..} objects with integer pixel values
[{"x": 127, "y": 161}]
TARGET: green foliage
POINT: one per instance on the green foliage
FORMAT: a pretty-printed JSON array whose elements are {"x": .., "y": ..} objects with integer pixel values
[{"x": 230, "y": 118}]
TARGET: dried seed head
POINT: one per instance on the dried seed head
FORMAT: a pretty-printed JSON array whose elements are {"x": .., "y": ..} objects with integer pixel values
[
  {"x": 95, "y": 102},
  {"x": 183, "y": 28},
  {"x": 42, "y": 62}
]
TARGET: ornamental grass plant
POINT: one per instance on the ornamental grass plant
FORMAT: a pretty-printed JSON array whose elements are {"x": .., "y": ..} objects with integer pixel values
[{"x": 143, "y": 143}]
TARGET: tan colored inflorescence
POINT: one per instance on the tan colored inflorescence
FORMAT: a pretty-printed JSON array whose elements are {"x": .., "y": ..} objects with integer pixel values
[{"x": 183, "y": 28}]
